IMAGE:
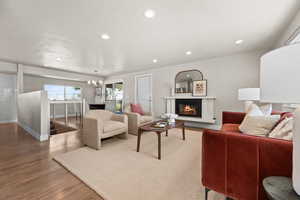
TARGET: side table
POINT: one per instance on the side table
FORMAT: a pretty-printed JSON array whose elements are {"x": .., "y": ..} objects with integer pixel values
[{"x": 280, "y": 188}]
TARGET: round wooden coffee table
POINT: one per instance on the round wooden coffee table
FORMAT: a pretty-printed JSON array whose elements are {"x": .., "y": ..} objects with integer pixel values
[{"x": 150, "y": 128}]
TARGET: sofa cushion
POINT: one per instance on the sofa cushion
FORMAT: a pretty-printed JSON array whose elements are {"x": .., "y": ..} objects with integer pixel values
[
  {"x": 136, "y": 108},
  {"x": 145, "y": 119},
  {"x": 113, "y": 125},
  {"x": 231, "y": 128}
]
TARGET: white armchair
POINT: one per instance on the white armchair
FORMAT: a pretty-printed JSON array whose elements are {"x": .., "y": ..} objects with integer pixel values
[
  {"x": 135, "y": 120},
  {"x": 98, "y": 124}
]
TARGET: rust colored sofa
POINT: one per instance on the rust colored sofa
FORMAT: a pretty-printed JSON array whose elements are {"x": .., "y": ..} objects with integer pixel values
[{"x": 235, "y": 164}]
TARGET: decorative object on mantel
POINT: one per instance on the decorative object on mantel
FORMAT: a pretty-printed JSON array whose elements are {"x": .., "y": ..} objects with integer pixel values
[
  {"x": 249, "y": 95},
  {"x": 170, "y": 117},
  {"x": 184, "y": 80},
  {"x": 200, "y": 88},
  {"x": 282, "y": 66}
]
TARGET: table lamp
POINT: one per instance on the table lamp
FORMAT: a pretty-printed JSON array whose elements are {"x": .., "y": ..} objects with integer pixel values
[
  {"x": 280, "y": 83},
  {"x": 249, "y": 95}
]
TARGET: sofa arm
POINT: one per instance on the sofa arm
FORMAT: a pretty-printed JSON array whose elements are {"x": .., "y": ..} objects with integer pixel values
[
  {"x": 213, "y": 160},
  {"x": 233, "y": 117},
  {"x": 91, "y": 133},
  {"x": 230, "y": 158},
  {"x": 148, "y": 113},
  {"x": 133, "y": 122},
  {"x": 133, "y": 118}
]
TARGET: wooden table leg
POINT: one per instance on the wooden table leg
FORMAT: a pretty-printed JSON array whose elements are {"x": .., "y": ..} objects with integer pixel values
[
  {"x": 159, "y": 144},
  {"x": 138, "y": 140},
  {"x": 167, "y": 132},
  {"x": 183, "y": 132}
]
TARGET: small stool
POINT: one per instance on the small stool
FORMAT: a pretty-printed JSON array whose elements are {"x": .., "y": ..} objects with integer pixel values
[{"x": 280, "y": 188}]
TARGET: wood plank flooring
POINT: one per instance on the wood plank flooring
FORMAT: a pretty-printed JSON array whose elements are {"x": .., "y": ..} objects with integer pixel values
[{"x": 27, "y": 171}]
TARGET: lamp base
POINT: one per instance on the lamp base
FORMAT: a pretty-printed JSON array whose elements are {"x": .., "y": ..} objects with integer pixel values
[
  {"x": 296, "y": 152},
  {"x": 248, "y": 105}
]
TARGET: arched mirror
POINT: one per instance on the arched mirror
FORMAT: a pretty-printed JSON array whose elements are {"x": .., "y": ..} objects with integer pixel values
[{"x": 184, "y": 80}]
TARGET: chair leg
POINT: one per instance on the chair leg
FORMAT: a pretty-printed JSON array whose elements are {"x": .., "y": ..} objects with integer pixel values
[{"x": 206, "y": 193}]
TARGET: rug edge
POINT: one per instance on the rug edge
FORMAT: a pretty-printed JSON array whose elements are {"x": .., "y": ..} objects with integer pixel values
[{"x": 69, "y": 169}]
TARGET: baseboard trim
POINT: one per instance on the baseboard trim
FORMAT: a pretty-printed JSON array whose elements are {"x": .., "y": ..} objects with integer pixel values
[{"x": 32, "y": 132}]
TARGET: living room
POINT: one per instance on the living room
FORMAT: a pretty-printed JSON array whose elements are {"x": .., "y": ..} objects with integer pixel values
[{"x": 149, "y": 100}]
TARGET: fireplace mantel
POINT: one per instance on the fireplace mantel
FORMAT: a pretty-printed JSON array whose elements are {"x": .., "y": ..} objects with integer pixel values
[
  {"x": 189, "y": 97},
  {"x": 207, "y": 108}
]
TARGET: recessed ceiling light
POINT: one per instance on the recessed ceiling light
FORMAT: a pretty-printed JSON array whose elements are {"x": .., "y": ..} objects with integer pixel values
[
  {"x": 58, "y": 59},
  {"x": 105, "y": 37},
  {"x": 239, "y": 42},
  {"x": 188, "y": 53},
  {"x": 149, "y": 13},
  {"x": 155, "y": 60}
]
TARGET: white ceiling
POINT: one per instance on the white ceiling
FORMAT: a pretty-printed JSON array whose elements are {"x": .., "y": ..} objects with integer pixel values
[{"x": 40, "y": 31}]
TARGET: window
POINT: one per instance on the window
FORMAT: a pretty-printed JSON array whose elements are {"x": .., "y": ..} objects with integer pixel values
[
  {"x": 109, "y": 92},
  {"x": 72, "y": 93},
  {"x": 114, "y": 96},
  {"x": 61, "y": 92}
]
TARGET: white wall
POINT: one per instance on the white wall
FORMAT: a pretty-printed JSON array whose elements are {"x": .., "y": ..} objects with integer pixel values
[
  {"x": 8, "y": 105},
  {"x": 289, "y": 31},
  {"x": 225, "y": 76},
  {"x": 33, "y": 114}
]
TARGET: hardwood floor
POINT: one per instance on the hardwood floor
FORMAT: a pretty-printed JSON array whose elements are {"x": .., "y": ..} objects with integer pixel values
[{"x": 27, "y": 170}]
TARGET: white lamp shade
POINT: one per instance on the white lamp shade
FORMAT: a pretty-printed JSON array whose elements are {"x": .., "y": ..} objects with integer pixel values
[
  {"x": 249, "y": 94},
  {"x": 280, "y": 75}
]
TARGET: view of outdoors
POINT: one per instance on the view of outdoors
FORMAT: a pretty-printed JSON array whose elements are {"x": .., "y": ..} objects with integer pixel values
[
  {"x": 60, "y": 92},
  {"x": 114, "y": 96}
]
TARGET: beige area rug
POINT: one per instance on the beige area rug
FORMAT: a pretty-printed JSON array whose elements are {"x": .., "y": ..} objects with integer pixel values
[{"x": 118, "y": 172}]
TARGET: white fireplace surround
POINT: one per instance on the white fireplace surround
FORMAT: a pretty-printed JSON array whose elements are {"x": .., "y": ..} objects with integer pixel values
[{"x": 208, "y": 114}]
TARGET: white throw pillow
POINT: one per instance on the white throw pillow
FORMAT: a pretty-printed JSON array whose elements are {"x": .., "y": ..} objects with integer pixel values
[
  {"x": 258, "y": 125},
  {"x": 284, "y": 130}
]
